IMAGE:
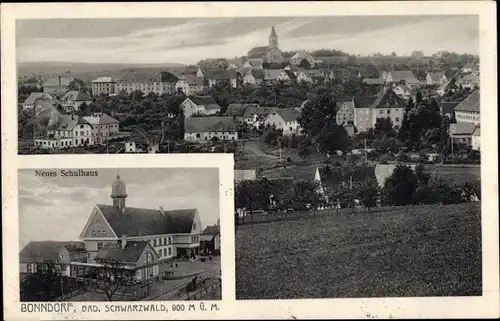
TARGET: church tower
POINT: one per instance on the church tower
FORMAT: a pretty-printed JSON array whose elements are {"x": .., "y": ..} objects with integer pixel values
[
  {"x": 118, "y": 193},
  {"x": 273, "y": 39}
]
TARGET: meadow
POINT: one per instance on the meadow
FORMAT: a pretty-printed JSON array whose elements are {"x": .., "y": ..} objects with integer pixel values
[{"x": 409, "y": 251}]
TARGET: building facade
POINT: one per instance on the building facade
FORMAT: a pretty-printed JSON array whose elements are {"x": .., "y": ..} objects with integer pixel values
[
  {"x": 285, "y": 119},
  {"x": 103, "y": 85},
  {"x": 104, "y": 127}
]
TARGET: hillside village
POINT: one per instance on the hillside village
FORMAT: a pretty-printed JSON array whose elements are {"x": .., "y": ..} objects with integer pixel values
[{"x": 275, "y": 110}]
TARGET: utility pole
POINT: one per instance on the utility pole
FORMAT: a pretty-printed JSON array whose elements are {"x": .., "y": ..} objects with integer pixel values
[
  {"x": 366, "y": 155},
  {"x": 279, "y": 146}
]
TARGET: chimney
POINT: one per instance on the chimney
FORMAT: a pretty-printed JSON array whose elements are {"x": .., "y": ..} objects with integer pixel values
[
  {"x": 161, "y": 210},
  {"x": 218, "y": 222},
  {"x": 59, "y": 81},
  {"x": 124, "y": 240}
]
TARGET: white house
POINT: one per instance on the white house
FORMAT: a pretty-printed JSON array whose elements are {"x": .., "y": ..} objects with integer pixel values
[
  {"x": 104, "y": 127},
  {"x": 285, "y": 119},
  {"x": 182, "y": 85},
  {"x": 298, "y": 57},
  {"x": 468, "y": 111},
  {"x": 470, "y": 67},
  {"x": 273, "y": 75},
  {"x": 72, "y": 100},
  {"x": 32, "y": 99},
  {"x": 205, "y": 129},
  {"x": 436, "y": 78},
  {"x": 104, "y": 85},
  {"x": 476, "y": 138},
  {"x": 470, "y": 81},
  {"x": 199, "y": 105},
  {"x": 67, "y": 131},
  {"x": 255, "y": 115},
  {"x": 142, "y": 142}
]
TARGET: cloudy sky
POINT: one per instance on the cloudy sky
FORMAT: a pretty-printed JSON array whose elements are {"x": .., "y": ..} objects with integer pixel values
[
  {"x": 188, "y": 40},
  {"x": 57, "y": 208}
]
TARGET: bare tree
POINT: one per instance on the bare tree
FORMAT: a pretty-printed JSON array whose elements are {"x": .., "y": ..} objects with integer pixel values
[{"x": 112, "y": 277}]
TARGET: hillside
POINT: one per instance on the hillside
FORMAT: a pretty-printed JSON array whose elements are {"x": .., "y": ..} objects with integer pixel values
[
  {"x": 84, "y": 71},
  {"x": 419, "y": 251}
]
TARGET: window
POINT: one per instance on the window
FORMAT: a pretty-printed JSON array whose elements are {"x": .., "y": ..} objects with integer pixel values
[
  {"x": 397, "y": 119},
  {"x": 154, "y": 242},
  {"x": 62, "y": 266},
  {"x": 169, "y": 251},
  {"x": 81, "y": 126},
  {"x": 381, "y": 112},
  {"x": 99, "y": 245},
  {"x": 164, "y": 241},
  {"x": 169, "y": 240},
  {"x": 388, "y": 111},
  {"x": 28, "y": 267}
]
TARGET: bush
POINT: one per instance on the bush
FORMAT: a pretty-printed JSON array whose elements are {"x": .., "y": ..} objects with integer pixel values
[
  {"x": 289, "y": 159},
  {"x": 385, "y": 158},
  {"x": 403, "y": 157}
]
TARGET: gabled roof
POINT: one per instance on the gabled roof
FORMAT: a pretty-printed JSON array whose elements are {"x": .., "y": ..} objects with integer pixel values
[
  {"x": 477, "y": 131},
  {"x": 349, "y": 104},
  {"x": 55, "y": 81},
  {"x": 260, "y": 111},
  {"x": 387, "y": 98},
  {"x": 141, "y": 136},
  {"x": 258, "y": 73},
  {"x": 333, "y": 175},
  {"x": 193, "y": 80},
  {"x": 406, "y": 75},
  {"x": 436, "y": 76},
  {"x": 237, "y": 109},
  {"x": 462, "y": 128},
  {"x": 331, "y": 60},
  {"x": 364, "y": 102},
  {"x": 207, "y": 101},
  {"x": 468, "y": 79},
  {"x": 301, "y": 55},
  {"x": 288, "y": 114},
  {"x": 211, "y": 230},
  {"x": 313, "y": 73},
  {"x": 448, "y": 107},
  {"x": 219, "y": 74},
  {"x": 39, "y": 251},
  {"x": 35, "y": 96},
  {"x": 100, "y": 119},
  {"x": 209, "y": 124},
  {"x": 290, "y": 74},
  {"x": 258, "y": 52},
  {"x": 471, "y": 103},
  {"x": 272, "y": 74},
  {"x": 103, "y": 80},
  {"x": 77, "y": 96},
  {"x": 68, "y": 122},
  {"x": 113, "y": 251},
  {"x": 75, "y": 247},
  {"x": 143, "y": 76},
  {"x": 140, "y": 221}
]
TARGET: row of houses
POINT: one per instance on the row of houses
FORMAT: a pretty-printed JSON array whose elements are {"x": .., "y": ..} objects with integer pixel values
[
  {"x": 142, "y": 241},
  {"x": 70, "y": 102},
  {"x": 65, "y": 131}
]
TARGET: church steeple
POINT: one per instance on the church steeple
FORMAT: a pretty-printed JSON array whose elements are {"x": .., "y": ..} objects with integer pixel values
[
  {"x": 273, "y": 38},
  {"x": 118, "y": 193}
]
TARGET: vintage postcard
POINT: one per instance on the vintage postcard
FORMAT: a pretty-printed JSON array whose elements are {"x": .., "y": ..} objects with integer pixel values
[{"x": 266, "y": 160}]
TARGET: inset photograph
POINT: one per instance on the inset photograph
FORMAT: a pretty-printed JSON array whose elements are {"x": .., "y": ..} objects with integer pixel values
[{"x": 119, "y": 234}]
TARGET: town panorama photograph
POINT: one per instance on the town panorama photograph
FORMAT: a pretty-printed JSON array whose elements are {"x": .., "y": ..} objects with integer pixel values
[{"x": 356, "y": 139}]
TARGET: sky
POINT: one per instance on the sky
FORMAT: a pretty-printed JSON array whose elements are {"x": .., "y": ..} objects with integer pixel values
[
  {"x": 57, "y": 208},
  {"x": 188, "y": 40}
]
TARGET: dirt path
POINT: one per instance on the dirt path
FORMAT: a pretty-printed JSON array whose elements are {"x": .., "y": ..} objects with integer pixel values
[{"x": 252, "y": 148}]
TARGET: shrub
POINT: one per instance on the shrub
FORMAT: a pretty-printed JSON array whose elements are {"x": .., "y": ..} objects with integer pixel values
[
  {"x": 403, "y": 157},
  {"x": 289, "y": 159}
]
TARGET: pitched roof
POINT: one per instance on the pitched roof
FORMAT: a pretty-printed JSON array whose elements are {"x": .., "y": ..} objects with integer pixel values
[
  {"x": 469, "y": 78},
  {"x": 406, "y": 75},
  {"x": 219, "y": 74},
  {"x": 300, "y": 55},
  {"x": 436, "y": 76},
  {"x": 471, "y": 103},
  {"x": 208, "y": 101},
  {"x": 315, "y": 73},
  {"x": 260, "y": 111},
  {"x": 39, "y": 251},
  {"x": 237, "y": 109},
  {"x": 100, "y": 119},
  {"x": 288, "y": 114},
  {"x": 131, "y": 253},
  {"x": 373, "y": 81},
  {"x": 141, "y": 136},
  {"x": 364, "y": 102},
  {"x": 68, "y": 122},
  {"x": 387, "y": 98},
  {"x": 146, "y": 76},
  {"x": 75, "y": 95},
  {"x": 477, "y": 131},
  {"x": 140, "y": 221},
  {"x": 258, "y": 52},
  {"x": 35, "y": 96},
  {"x": 193, "y": 79},
  {"x": 258, "y": 73},
  {"x": 448, "y": 107},
  {"x": 462, "y": 128},
  {"x": 209, "y": 124},
  {"x": 334, "y": 175},
  {"x": 470, "y": 65},
  {"x": 55, "y": 81},
  {"x": 272, "y": 74},
  {"x": 74, "y": 248},
  {"x": 349, "y": 104},
  {"x": 273, "y": 32},
  {"x": 332, "y": 59},
  {"x": 211, "y": 230},
  {"x": 290, "y": 74},
  {"x": 103, "y": 79}
]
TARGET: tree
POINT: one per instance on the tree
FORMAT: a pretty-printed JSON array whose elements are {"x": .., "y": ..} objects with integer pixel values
[
  {"x": 43, "y": 285},
  {"x": 400, "y": 186},
  {"x": 113, "y": 277},
  {"x": 304, "y": 148},
  {"x": 333, "y": 137},
  {"x": 368, "y": 192},
  {"x": 78, "y": 85},
  {"x": 305, "y": 64}
]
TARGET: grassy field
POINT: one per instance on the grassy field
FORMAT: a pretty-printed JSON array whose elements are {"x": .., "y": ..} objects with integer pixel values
[{"x": 422, "y": 251}]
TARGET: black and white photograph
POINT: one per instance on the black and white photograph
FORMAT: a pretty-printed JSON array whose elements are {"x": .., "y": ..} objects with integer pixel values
[
  {"x": 133, "y": 234},
  {"x": 336, "y": 145}
]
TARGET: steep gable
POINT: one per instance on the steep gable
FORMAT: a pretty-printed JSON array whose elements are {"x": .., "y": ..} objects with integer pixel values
[{"x": 97, "y": 226}]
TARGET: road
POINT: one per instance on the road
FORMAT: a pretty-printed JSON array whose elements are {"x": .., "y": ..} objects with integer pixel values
[{"x": 252, "y": 148}]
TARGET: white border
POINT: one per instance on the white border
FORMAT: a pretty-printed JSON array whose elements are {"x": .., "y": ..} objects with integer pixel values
[{"x": 485, "y": 306}]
